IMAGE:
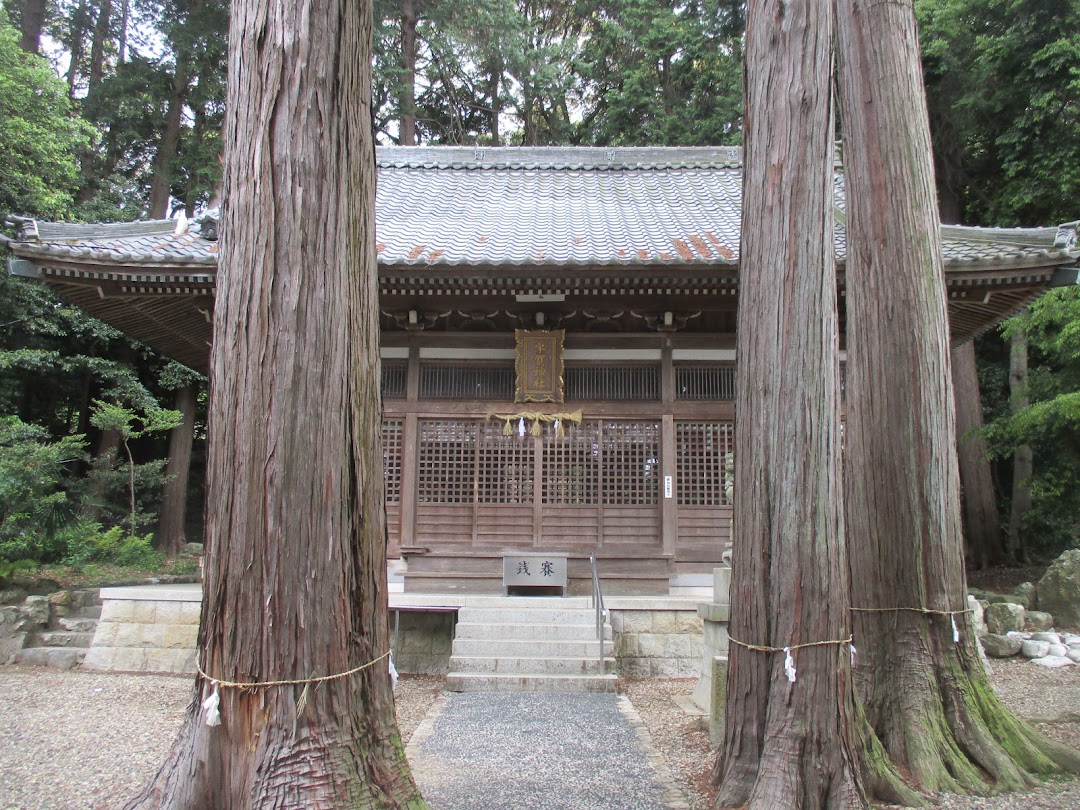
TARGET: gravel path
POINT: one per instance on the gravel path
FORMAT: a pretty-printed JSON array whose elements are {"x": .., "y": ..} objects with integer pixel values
[
  {"x": 82, "y": 741},
  {"x": 535, "y": 751}
]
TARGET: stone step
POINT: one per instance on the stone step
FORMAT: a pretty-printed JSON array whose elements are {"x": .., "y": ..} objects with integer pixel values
[
  {"x": 531, "y": 602},
  {"x": 78, "y": 625},
  {"x": 55, "y": 657},
  {"x": 486, "y": 682},
  {"x": 530, "y": 665},
  {"x": 527, "y": 615},
  {"x": 62, "y": 638},
  {"x": 530, "y": 646},
  {"x": 538, "y": 632},
  {"x": 90, "y": 612}
]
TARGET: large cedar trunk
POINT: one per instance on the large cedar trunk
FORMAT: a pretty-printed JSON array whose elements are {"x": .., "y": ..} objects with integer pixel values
[
  {"x": 171, "y": 537},
  {"x": 101, "y": 37},
  {"x": 788, "y": 744},
  {"x": 1023, "y": 460},
  {"x": 32, "y": 15},
  {"x": 925, "y": 695},
  {"x": 295, "y": 581},
  {"x": 161, "y": 185},
  {"x": 982, "y": 527},
  {"x": 408, "y": 73}
]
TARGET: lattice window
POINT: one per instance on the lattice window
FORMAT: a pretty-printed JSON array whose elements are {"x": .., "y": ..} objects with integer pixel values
[
  {"x": 621, "y": 382},
  {"x": 630, "y": 463},
  {"x": 446, "y": 469},
  {"x": 391, "y": 444},
  {"x": 504, "y": 466},
  {"x": 703, "y": 462},
  {"x": 705, "y": 382},
  {"x": 467, "y": 381},
  {"x": 572, "y": 466},
  {"x": 393, "y": 378}
]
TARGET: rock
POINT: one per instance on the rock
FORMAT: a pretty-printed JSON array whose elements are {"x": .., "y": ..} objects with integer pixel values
[
  {"x": 1025, "y": 595},
  {"x": 1052, "y": 662},
  {"x": 60, "y": 598},
  {"x": 12, "y": 596},
  {"x": 978, "y": 619},
  {"x": 1037, "y": 620},
  {"x": 36, "y": 608},
  {"x": 1060, "y": 650},
  {"x": 1020, "y": 634},
  {"x": 194, "y": 549},
  {"x": 1074, "y": 656},
  {"x": 10, "y": 646},
  {"x": 1034, "y": 649},
  {"x": 1050, "y": 638},
  {"x": 1070, "y": 639},
  {"x": 1000, "y": 646},
  {"x": 1001, "y": 617},
  {"x": 1059, "y": 589}
]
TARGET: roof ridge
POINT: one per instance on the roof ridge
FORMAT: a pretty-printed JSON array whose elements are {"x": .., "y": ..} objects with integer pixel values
[{"x": 568, "y": 158}]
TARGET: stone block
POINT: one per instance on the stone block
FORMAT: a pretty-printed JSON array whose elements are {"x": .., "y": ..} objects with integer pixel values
[
  {"x": 1052, "y": 662},
  {"x": 718, "y": 698},
  {"x": 127, "y": 635},
  {"x": 684, "y": 645},
  {"x": 627, "y": 646},
  {"x": 635, "y": 668},
  {"x": 722, "y": 586},
  {"x": 190, "y": 612},
  {"x": 1001, "y": 617},
  {"x": 978, "y": 618},
  {"x": 664, "y": 621},
  {"x": 664, "y": 668},
  {"x": 1060, "y": 650},
  {"x": 687, "y": 622},
  {"x": 1074, "y": 655},
  {"x": 415, "y": 641},
  {"x": 167, "y": 661},
  {"x": 1034, "y": 649},
  {"x": 105, "y": 635},
  {"x": 179, "y": 636},
  {"x": 10, "y": 645},
  {"x": 1038, "y": 621},
  {"x": 128, "y": 659},
  {"x": 1000, "y": 646},
  {"x": 441, "y": 644},
  {"x": 653, "y": 645},
  {"x": 714, "y": 613},
  {"x": 637, "y": 621},
  {"x": 36, "y": 609},
  {"x": 152, "y": 635},
  {"x": 99, "y": 658},
  {"x": 117, "y": 610},
  {"x": 1050, "y": 638},
  {"x": 1059, "y": 589},
  {"x": 168, "y": 612},
  {"x": 144, "y": 612},
  {"x": 1025, "y": 595},
  {"x": 60, "y": 598},
  {"x": 617, "y": 622}
]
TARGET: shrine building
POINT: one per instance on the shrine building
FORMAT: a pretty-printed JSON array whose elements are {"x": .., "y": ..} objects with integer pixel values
[{"x": 558, "y": 345}]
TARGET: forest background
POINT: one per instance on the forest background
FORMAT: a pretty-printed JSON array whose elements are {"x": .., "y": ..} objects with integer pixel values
[{"x": 111, "y": 110}]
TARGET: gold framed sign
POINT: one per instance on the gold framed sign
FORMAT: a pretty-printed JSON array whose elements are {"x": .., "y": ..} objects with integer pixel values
[{"x": 538, "y": 361}]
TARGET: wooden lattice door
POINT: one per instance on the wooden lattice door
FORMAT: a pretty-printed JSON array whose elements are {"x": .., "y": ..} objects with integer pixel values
[{"x": 704, "y": 473}]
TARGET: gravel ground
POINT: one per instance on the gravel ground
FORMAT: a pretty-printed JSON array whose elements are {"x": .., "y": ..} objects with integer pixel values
[
  {"x": 1048, "y": 698},
  {"x": 79, "y": 740}
]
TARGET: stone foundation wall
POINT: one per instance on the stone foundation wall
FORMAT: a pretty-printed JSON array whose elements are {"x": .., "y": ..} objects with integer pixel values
[
  {"x": 657, "y": 643},
  {"x": 423, "y": 645},
  {"x": 145, "y": 636}
]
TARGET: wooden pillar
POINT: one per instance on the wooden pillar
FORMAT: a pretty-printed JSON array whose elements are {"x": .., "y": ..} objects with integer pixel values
[
  {"x": 410, "y": 449},
  {"x": 669, "y": 517},
  {"x": 538, "y": 490}
]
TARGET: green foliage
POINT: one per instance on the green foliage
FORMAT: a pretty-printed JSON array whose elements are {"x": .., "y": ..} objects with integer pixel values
[
  {"x": 1051, "y": 423},
  {"x": 130, "y": 424},
  {"x": 36, "y": 487},
  {"x": 41, "y": 139},
  {"x": 9, "y": 568},
  {"x": 113, "y": 546}
]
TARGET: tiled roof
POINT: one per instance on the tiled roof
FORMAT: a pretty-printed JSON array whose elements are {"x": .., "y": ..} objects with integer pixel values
[{"x": 552, "y": 207}]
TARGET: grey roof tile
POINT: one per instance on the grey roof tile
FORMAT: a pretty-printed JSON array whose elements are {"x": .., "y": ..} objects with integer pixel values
[{"x": 447, "y": 207}]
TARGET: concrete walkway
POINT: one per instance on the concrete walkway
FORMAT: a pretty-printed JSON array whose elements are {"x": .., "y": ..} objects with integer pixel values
[{"x": 539, "y": 751}]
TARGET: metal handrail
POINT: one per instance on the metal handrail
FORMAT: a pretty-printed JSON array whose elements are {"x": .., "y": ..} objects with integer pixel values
[{"x": 598, "y": 608}]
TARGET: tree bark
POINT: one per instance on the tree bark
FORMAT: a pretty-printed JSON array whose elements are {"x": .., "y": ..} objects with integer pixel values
[
  {"x": 1023, "y": 460},
  {"x": 982, "y": 526},
  {"x": 408, "y": 71},
  {"x": 121, "y": 46},
  {"x": 295, "y": 581},
  {"x": 161, "y": 186},
  {"x": 32, "y": 15},
  {"x": 925, "y": 694},
  {"x": 788, "y": 743},
  {"x": 171, "y": 531},
  {"x": 80, "y": 21},
  {"x": 97, "y": 49}
]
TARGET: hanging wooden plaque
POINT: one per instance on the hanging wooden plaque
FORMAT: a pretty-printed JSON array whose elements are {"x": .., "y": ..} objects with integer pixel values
[{"x": 539, "y": 365}]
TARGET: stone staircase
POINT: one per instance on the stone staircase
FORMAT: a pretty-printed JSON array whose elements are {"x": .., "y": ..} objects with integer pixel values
[
  {"x": 62, "y": 642},
  {"x": 530, "y": 644}
]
